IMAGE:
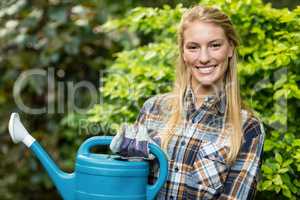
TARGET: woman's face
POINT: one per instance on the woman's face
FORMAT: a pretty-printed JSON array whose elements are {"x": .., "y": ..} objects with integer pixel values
[{"x": 206, "y": 50}]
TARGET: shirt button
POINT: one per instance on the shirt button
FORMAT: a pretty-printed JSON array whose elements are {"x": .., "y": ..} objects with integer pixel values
[
  {"x": 176, "y": 169},
  {"x": 182, "y": 143}
]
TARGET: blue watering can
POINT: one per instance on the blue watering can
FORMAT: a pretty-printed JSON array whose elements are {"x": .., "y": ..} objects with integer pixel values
[{"x": 96, "y": 176}]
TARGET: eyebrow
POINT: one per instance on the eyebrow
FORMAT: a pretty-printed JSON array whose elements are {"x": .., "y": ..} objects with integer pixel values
[{"x": 215, "y": 40}]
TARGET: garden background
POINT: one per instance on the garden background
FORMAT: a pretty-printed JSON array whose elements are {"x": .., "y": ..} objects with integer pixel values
[{"x": 125, "y": 51}]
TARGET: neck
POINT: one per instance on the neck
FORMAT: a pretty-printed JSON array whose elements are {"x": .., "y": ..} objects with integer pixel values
[{"x": 202, "y": 91}]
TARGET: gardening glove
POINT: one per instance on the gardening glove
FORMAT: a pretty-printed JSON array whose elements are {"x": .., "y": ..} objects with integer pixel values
[{"x": 132, "y": 141}]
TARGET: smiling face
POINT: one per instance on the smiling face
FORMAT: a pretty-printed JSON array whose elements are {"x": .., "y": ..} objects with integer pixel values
[{"x": 206, "y": 50}]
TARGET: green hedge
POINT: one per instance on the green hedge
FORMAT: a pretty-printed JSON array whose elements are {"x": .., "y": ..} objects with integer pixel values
[
  {"x": 48, "y": 35},
  {"x": 43, "y": 34},
  {"x": 269, "y": 72}
]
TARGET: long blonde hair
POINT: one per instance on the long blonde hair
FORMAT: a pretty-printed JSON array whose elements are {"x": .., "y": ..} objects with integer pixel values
[{"x": 233, "y": 120}]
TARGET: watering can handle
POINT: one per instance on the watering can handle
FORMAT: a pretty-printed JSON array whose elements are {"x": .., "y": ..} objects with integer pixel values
[
  {"x": 152, "y": 190},
  {"x": 92, "y": 142}
]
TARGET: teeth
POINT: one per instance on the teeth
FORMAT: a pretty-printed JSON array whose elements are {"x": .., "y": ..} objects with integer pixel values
[
  {"x": 206, "y": 70},
  {"x": 208, "y": 66}
]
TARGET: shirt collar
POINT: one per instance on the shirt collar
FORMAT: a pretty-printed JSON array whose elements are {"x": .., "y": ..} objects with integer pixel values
[{"x": 218, "y": 101}]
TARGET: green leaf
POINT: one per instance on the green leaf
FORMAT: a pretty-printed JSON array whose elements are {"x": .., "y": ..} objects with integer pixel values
[
  {"x": 277, "y": 180},
  {"x": 287, "y": 163},
  {"x": 278, "y": 158},
  {"x": 277, "y": 189},
  {"x": 296, "y": 182},
  {"x": 283, "y": 170},
  {"x": 266, "y": 169},
  {"x": 296, "y": 143},
  {"x": 266, "y": 184},
  {"x": 287, "y": 193},
  {"x": 268, "y": 146}
]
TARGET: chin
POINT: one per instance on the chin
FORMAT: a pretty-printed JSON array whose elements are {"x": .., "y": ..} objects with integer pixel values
[{"x": 205, "y": 81}]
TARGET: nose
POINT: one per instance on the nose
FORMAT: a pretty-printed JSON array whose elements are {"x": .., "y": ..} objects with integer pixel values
[{"x": 203, "y": 56}]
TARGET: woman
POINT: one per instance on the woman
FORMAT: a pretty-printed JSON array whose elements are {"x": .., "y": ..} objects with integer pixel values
[{"x": 214, "y": 144}]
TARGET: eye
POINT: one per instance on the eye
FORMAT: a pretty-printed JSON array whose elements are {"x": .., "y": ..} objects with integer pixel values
[
  {"x": 192, "y": 47},
  {"x": 215, "y": 45}
]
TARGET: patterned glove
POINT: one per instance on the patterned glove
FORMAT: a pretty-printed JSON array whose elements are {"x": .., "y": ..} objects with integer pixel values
[{"x": 132, "y": 142}]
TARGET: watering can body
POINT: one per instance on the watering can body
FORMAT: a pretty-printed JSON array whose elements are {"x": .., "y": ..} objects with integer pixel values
[
  {"x": 100, "y": 176},
  {"x": 118, "y": 179}
]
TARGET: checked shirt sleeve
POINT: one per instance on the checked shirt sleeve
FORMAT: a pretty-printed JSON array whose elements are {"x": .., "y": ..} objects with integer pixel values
[{"x": 244, "y": 173}]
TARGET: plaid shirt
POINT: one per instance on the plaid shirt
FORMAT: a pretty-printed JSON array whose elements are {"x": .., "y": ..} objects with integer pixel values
[{"x": 197, "y": 152}]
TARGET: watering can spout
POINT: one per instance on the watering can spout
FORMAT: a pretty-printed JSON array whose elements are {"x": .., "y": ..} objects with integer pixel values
[
  {"x": 17, "y": 131},
  {"x": 64, "y": 182}
]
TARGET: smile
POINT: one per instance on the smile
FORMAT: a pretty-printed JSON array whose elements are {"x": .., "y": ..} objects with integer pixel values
[{"x": 206, "y": 69}]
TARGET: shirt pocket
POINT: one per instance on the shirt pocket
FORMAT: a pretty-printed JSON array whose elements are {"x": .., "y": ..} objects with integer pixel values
[{"x": 209, "y": 169}]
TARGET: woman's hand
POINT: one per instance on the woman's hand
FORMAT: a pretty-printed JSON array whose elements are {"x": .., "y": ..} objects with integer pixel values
[{"x": 131, "y": 141}]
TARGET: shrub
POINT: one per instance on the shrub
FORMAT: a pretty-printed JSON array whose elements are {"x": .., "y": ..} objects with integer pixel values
[{"x": 268, "y": 71}]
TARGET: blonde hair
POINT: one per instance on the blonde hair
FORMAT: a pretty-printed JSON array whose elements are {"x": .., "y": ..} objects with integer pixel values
[{"x": 233, "y": 120}]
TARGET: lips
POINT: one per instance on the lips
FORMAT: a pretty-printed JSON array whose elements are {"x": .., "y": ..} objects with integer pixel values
[{"x": 207, "y": 69}]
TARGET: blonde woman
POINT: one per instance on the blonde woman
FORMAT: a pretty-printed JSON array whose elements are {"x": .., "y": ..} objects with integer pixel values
[{"x": 214, "y": 144}]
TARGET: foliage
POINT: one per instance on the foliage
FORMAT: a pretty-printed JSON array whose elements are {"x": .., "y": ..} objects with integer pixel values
[
  {"x": 44, "y": 35},
  {"x": 63, "y": 39},
  {"x": 68, "y": 37},
  {"x": 268, "y": 70}
]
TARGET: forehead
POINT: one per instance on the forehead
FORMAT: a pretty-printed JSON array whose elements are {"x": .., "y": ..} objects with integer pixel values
[{"x": 202, "y": 32}]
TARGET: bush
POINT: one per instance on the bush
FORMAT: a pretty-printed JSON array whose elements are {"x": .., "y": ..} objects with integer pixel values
[
  {"x": 62, "y": 37},
  {"x": 268, "y": 70}
]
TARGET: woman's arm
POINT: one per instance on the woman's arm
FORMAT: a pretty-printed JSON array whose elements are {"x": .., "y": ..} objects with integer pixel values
[{"x": 244, "y": 173}]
